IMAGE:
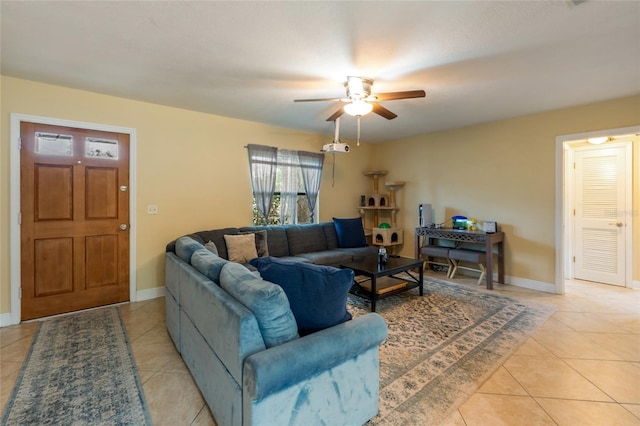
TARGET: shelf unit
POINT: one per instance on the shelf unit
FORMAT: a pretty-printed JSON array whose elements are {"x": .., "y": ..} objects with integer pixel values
[{"x": 377, "y": 203}]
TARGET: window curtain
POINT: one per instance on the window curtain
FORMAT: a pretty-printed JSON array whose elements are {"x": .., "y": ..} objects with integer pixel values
[
  {"x": 311, "y": 166},
  {"x": 290, "y": 184},
  {"x": 263, "y": 164}
]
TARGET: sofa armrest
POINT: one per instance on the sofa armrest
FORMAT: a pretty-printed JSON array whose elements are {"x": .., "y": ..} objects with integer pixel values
[{"x": 277, "y": 368}]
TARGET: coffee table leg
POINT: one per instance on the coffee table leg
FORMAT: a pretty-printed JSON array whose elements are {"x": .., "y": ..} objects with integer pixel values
[
  {"x": 374, "y": 295},
  {"x": 421, "y": 285}
]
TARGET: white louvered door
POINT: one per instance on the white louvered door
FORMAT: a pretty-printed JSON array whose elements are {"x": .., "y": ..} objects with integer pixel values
[{"x": 600, "y": 183}]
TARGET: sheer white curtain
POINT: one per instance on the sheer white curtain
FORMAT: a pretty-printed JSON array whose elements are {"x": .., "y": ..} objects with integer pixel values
[
  {"x": 263, "y": 164},
  {"x": 290, "y": 184},
  {"x": 311, "y": 166}
]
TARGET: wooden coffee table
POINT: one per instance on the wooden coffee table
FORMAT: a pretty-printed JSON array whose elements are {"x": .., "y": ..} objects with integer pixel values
[{"x": 375, "y": 281}]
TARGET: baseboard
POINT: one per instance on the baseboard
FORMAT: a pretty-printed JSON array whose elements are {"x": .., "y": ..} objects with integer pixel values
[
  {"x": 531, "y": 284},
  {"x": 151, "y": 293},
  {"x": 7, "y": 320},
  {"x": 635, "y": 284}
]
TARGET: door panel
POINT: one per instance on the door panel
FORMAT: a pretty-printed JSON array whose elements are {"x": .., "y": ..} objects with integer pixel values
[
  {"x": 73, "y": 253},
  {"x": 600, "y": 208}
]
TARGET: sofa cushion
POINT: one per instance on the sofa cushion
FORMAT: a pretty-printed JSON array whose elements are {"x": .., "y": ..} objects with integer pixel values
[
  {"x": 266, "y": 300},
  {"x": 208, "y": 264},
  {"x": 350, "y": 232},
  {"x": 317, "y": 294},
  {"x": 241, "y": 248},
  {"x": 330, "y": 235},
  {"x": 185, "y": 246},
  {"x": 327, "y": 257},
  {"x": 305, "y": 238}
]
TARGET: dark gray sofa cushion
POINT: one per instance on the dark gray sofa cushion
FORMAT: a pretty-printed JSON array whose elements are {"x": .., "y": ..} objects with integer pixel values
[
  {"x": 330, "y": 235},
  {"x": 327, "y": 257},
  {"x": 305, "y": 238}
]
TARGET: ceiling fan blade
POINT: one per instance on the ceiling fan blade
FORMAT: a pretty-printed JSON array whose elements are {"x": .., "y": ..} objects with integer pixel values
[
  {"x": 391, "y": 96},
  {"x": 336, "y": 114},
  {"x": 382, "y": 111},
  {"x": 317, "y": 100}
]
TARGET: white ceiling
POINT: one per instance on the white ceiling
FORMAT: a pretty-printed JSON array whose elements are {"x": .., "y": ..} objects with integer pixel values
[{"x": 478, "y": 61}]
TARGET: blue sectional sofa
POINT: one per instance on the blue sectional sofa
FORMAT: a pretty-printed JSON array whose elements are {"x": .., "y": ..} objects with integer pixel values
[{"x": 237, "y": 335}]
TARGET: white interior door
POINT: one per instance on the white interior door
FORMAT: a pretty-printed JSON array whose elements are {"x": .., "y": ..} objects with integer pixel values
[{"x": 602, "y": 184}]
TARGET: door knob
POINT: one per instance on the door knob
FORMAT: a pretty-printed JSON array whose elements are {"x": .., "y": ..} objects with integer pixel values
[
  {"x": 123, "y": 227},
  {"x": 618, "y": 224}
]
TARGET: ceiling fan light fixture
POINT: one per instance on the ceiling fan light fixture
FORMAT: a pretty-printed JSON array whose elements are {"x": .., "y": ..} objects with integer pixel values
[
  {"x": 357, "y": 108},
  {"x": 358, "y": 87}
]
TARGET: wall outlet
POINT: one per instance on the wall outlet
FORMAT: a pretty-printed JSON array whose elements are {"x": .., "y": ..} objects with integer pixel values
[{"x": 152, "y": 209}]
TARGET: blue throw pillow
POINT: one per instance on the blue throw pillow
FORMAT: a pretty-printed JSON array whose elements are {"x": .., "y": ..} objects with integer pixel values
[
  {"x": 267, "y": 301},
  {"x": 317, "y": 294},
  {"x": 350, "y": 232}
]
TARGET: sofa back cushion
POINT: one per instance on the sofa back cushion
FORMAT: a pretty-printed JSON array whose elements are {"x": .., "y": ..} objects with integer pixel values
[
  {"x": 317, "y": 294},
  {"x": 266, "y": 300},
  {"x": 186, "y": 246},
  {"x": 208, "y": 264},
  {"x": 276, "y": 239},
  {"x": 330, "y": 235},
  {"x": 305, "y": 238}
]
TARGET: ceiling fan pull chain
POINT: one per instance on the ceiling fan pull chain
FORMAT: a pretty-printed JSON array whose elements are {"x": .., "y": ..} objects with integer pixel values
[{"x": 358, "y": 127}]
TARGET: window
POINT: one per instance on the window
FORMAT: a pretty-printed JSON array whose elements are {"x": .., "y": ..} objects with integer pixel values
[{"x": 285, "y": 184}]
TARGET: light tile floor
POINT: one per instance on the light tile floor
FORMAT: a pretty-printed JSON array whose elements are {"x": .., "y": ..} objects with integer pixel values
[{"x": 581, "y": 368}]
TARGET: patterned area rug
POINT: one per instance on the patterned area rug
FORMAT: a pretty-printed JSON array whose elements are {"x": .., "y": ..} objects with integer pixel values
[
  {"x": 80, "y": 370},
  {"x": 442, "y": 346}
]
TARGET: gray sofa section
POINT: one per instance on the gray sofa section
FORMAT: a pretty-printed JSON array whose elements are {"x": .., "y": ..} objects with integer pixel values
[
  {"x": 315, "y": 243},
  {"x": 328, "y": 377}
]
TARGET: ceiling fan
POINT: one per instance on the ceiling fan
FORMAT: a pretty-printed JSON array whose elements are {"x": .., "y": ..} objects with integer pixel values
[{"x": 360, "y": 101}]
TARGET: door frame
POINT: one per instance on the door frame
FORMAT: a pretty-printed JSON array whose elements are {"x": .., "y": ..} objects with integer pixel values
[
  {"x": 564, "y": 198},
  {"x": 14, "y": 200}
]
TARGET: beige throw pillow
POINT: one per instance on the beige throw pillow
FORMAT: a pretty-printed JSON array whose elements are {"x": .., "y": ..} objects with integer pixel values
[{"x": 241, "y": 248}]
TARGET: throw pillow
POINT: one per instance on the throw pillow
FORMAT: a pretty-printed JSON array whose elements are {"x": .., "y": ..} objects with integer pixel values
[
  {"x": 350, "y": 232},
  {"x": 266, "y": 300},
  {"x": 317, "y": 294},
  {"x": 241, "y": 248},
  {"x": 211, "y": 246},
  {"x": 261, "y": 242}
]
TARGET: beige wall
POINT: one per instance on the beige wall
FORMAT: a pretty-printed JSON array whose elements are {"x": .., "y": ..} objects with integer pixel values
[
  {"x": 192, "y": 165},
  {"x": 503, "y": 171}
]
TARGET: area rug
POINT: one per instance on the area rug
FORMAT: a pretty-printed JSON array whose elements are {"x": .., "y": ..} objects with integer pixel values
[
  {"x": 79, "y": 371},
  {"x": 442, "y": 346}
]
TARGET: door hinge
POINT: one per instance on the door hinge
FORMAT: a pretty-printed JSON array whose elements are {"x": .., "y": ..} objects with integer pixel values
[
  {"x": 574, "y": 259},
  {"x": 574, "y": 212},
  {"x": 19, "y": 143},
  {"x": 20, "y": 292},
  {"x": 19, "y": 218}
]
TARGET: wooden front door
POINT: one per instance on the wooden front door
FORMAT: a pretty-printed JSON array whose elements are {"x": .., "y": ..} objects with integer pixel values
[{"x": 74, "y": 219}]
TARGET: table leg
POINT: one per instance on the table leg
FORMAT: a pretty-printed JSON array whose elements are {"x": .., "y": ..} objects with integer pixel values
[
  {"x": 501, "y": 262},
  {"x": 421, "y": 285},
  {"x": 489, "y": 257},
  {"x": 374, "y": 295}
]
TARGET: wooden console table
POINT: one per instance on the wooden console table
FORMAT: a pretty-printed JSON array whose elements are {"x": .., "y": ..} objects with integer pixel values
[{"x": 473, "y": 237}]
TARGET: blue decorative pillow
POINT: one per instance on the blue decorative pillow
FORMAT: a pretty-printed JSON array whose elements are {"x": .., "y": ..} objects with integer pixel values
[
  {"x": 350, "y": 232},
  {"x": 317, "y": 294},
  {"x": 266, "y": 300}
]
